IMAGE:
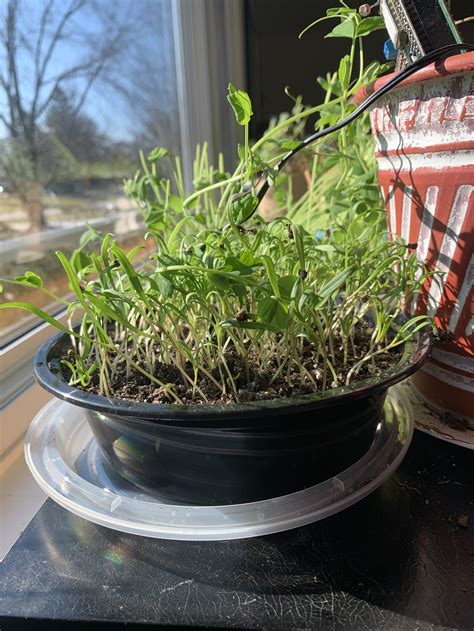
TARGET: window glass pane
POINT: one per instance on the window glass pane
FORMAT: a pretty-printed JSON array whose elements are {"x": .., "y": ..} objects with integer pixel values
[{"x": 84, "y": 84}]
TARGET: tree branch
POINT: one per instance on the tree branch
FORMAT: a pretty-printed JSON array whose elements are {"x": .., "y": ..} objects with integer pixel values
[
  {"x": 39, "y": 41},
  {"x": 12, "y": 88},
  {"x": 74, "y": 7},
  {"x": 107, "y": 52},
  {"x": 74, "y": 71}
]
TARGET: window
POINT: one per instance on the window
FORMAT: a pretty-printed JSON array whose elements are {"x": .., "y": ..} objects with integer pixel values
[
  {"x": 83, "y": 87},
  {"x": 85, "y": 84}
]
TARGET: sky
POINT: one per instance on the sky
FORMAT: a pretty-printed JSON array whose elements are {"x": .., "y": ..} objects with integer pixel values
[{"x": 142, "y": 66}]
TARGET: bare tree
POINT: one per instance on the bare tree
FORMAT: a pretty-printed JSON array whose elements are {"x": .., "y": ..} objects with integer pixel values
[
  {"x": 77, "y": 131},
  {"x": 36, "y": 52}
]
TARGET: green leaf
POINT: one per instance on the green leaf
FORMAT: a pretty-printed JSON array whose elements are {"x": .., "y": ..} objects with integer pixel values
[
  {"x": 175, "y": 203},
  {"x": 298, "y": 235},
  {"x": 154, "y": 218},
  {"x": 344, "y": 29},
  {"x": 163, "y": 285},
  {"x": 272, "y": 276},
  {"x": 222, "y": 176},
  {"x": 79, "y": 260},
  {"x": 248, "y": 259},
  {"x": 234, "y": 264},
  {"x": 335, "y": 283},
  {"x": 30, "y": 278},
  {"x": 116, "y": 295},
  {"x": 339, "y": 11},
  {"x": 157, "y": 154},
  {"x": 344, "y": 72},
  {"x": 130, "y": 272},
  {"x": 330, "y": 14},
  {"x": 199, "y": 217},
  {"x": 369, "y": 25},
  {"x": 271, "y": 312},
  {"x": 325, "y": 247},
  {"x": 91, "y": 234},
  {"x": 107, "y": 242},
  {"x": 73, "y": 283},
  {"x": 287, "y": 144},
  {"x": 131, "y": 253},
  {"x": 409, "y": 324},
  {"x": 219, "y": 281},
  {"x": 241, "y": 104},
  {"x": 324, "y": 83},
  {"x": 287, "y": 284},
  {"x": 258, "y": 326},
  {"x": 242, "y": 208}
]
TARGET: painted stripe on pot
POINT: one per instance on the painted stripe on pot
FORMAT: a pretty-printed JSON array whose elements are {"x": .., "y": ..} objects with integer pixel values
[
  {"x": 463, "y": 296},
  {"x": 459, "y": 260},
  {"x": 426, "y": 226},
  {"x": 393, "y": 212},
  {"x": 443, "y": 160},
  {"x": 452, "y": 359},
  {"x": 454, "y": 147},
  {"x": 406, "y": 212},
  {"x": 424, "y": 235},
  {"x": 422, "y": 140},
  {"x": 449, "y": 244},
  {"x": 453, "y": 379}
]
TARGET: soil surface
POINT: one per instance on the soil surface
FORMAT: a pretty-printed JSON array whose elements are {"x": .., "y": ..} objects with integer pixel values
[{"x": 253, "y": 382}]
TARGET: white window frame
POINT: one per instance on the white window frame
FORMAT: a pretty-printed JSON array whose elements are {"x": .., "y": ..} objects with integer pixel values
[
  {"x": 20, "y": 397},
  {"x": 209, "y": 49},
  {"x": 210, "y": 53}
]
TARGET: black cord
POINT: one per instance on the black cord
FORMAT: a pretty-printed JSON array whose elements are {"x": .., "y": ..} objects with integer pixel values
[{"x": 435, "y": 55}]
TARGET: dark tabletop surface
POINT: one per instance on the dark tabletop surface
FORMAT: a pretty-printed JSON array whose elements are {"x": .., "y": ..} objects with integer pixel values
[{"x": 403, "y": 558}]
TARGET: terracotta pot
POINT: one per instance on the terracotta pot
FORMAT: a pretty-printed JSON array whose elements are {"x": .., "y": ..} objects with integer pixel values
[{"x": 424, "y": 133}]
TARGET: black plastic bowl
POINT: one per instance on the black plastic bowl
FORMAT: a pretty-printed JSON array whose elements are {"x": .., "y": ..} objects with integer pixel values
[{"x": 231, "y": 453}]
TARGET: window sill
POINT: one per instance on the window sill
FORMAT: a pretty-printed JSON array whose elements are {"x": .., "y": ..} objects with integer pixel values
[
  {"x": 16, "y": 417},
  {"x": 20, "y": 397},
  {"x": 20, "y": 496}
]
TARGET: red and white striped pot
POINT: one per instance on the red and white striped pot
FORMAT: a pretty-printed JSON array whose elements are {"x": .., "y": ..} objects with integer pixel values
[{"x": 424, "y": 133}]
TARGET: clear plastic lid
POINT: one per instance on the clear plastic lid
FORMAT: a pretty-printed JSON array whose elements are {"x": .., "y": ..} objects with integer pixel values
[{"x": 66, "y": 462}]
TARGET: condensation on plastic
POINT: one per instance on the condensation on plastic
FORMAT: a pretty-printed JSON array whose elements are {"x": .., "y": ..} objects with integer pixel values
[{"x": 65, "y": 461}]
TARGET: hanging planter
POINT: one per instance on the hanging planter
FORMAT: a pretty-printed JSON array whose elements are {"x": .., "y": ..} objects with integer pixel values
[{"x": 424, "y": 134}]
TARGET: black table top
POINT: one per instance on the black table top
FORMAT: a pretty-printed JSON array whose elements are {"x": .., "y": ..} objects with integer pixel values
[{"x": 403, "y": 558}]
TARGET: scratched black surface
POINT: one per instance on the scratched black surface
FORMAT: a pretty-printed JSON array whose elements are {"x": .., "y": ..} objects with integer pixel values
[{"x": 397, "y": 560}]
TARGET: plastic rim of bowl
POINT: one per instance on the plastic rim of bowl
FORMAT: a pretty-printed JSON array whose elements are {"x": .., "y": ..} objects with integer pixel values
[{"x": 59, "y": 448}]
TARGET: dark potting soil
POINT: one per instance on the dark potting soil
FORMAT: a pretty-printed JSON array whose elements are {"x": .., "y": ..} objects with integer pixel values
[{"x": 254, "y": 383}]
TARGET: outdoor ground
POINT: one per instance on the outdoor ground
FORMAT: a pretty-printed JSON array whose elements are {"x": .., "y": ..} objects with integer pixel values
[
  {"x": 59, "y": 210},
  {"x": 65, "y": 220}
]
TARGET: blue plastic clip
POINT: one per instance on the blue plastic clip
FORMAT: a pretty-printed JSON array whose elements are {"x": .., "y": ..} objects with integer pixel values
[{"x": 389, "y": 50}]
